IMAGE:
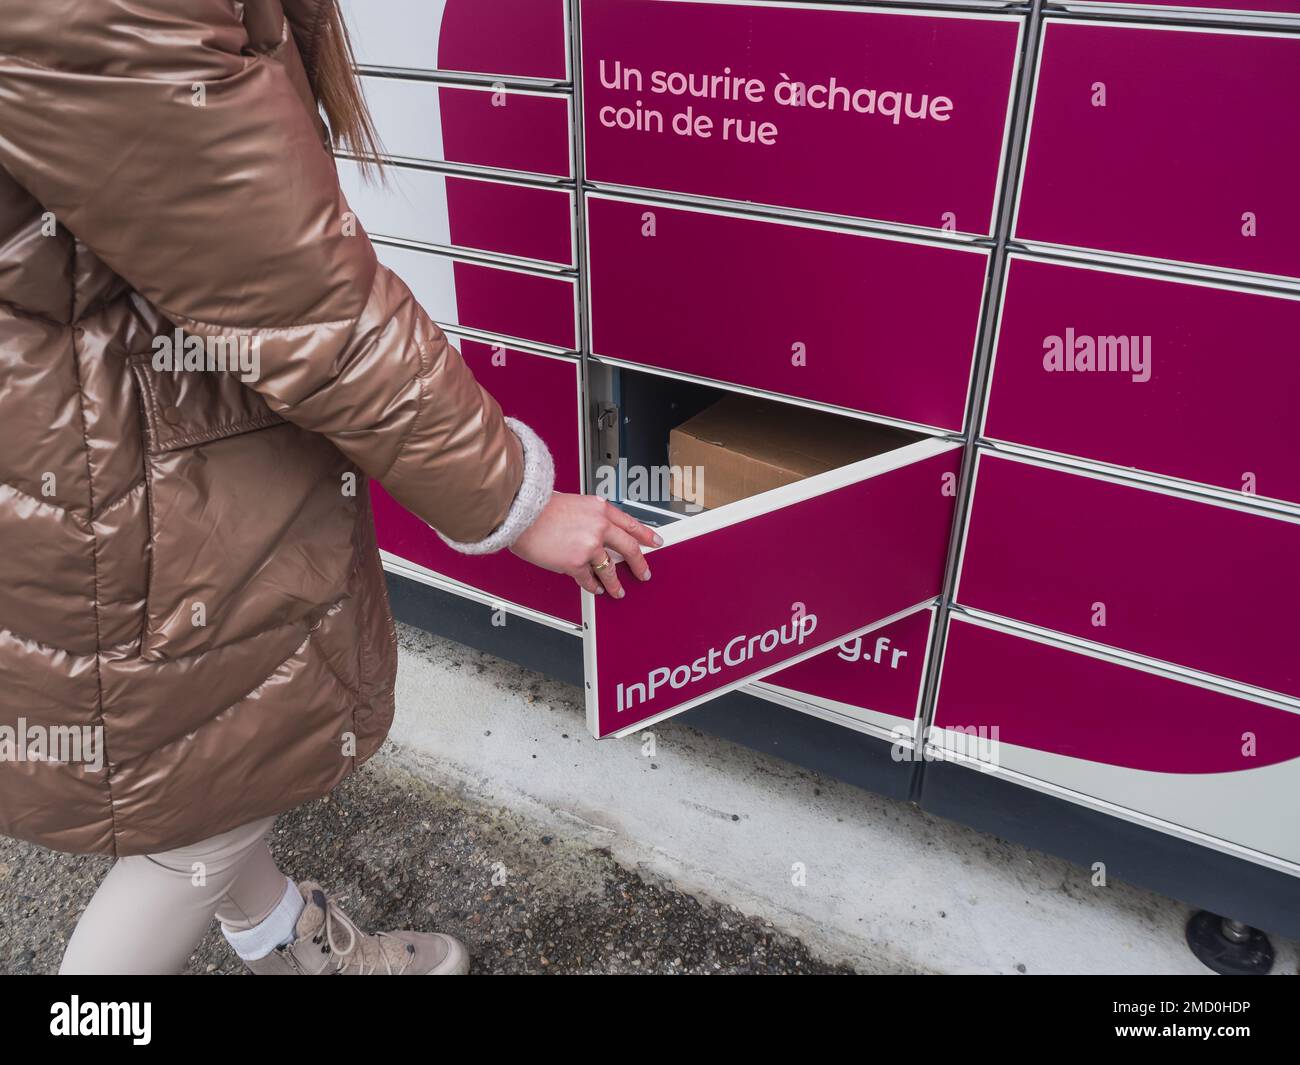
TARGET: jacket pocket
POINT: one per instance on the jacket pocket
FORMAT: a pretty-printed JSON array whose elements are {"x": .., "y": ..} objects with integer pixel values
[{"x": 251, "y": 519}]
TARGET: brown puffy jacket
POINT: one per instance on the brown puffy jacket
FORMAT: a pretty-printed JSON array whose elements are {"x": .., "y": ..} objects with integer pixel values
[{"x": 187, "y": 561}]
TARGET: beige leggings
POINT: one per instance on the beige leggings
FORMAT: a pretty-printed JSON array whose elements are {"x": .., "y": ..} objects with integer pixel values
[{"x": 152, "y": 910}]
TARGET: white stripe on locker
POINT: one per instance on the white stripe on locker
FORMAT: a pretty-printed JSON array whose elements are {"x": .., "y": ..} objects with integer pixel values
[
  {"x": 408, "y": 116},
  {"x": 429, "y": 277},
  {"x": 1251, "y": 808},
  {"x": 413, "y": 205},
  {"x": 395, "y": 33}
]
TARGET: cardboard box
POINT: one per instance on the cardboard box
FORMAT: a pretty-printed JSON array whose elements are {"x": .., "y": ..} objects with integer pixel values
[{"x": 741, "y": 446}]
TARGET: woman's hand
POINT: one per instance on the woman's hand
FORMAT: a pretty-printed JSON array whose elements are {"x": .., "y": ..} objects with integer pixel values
[{"x": 575, "y": 534}]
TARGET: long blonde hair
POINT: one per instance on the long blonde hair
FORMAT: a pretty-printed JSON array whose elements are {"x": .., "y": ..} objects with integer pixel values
[{"x": 339, "y": 91}]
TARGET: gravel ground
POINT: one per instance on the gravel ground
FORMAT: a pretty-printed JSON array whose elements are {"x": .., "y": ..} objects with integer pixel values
[{"x": 409, "y": 855}]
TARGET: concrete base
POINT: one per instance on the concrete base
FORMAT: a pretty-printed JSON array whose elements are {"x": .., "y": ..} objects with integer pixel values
[{"x": 871, "y": 881}]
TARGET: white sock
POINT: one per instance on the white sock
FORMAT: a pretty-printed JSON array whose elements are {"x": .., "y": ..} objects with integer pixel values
[{"x": 275, "y": 931}]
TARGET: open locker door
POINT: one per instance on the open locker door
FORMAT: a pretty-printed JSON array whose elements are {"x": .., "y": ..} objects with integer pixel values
[{"x": 741, "y": 591}]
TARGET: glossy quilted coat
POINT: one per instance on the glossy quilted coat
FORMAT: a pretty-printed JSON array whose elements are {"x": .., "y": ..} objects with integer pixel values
[{"x": 187, "y": 560}]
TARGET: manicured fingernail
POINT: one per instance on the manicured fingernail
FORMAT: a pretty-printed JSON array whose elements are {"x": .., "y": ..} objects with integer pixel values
[
  {"x": 619, "y": 594},
  {"x": 659, "y": 540},
  {"x": 600, "y": 590},
  {"x": 647, "y": 576}
]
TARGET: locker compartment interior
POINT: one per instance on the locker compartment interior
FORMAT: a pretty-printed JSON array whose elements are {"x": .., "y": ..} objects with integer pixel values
[{"x": 660, "y": 438}]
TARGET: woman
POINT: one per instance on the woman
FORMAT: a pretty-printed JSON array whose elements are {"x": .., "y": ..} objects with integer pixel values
[{"x": 194, "y": 632}]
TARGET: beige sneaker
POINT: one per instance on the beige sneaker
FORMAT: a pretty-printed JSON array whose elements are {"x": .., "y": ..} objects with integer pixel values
[{"x": 327, "y": 943}]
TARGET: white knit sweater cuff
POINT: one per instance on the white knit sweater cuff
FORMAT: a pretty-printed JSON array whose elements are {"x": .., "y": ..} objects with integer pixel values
[{"x": 534, "y": 493}]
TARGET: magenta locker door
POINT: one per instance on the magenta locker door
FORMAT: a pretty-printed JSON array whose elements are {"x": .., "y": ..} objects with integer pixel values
[
  {"x": 1166, "y": 143},
  {"x": 523, "y": 220},
  {"x": 901, "y": 115},
  {"x": 821, "y": 314},
  {"x": 497, "y": 128},
  {"x": 874, "y": 678},
  {"x": 1193, "y": 756},
  {"x": 1208, "y": 586},
  {"x": 507, "y": 38},
  {"x": 741, "y": 590},
  {"x": 1179, "y": 378},
  {"x": 494, "y": 298},
  {"x": 1276, "y": 7},
  {"x": 507, "y": 218},
  {"x": 543, "y": 392}
]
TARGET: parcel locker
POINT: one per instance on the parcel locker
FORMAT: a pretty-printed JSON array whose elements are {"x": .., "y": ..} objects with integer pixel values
[
  {"x": 464, "y": 211},
  {"x": 1224, "y": 10},
  {"x": 1145, "y": 742},
  {"x": 492, "y": 297},
  {"x": 543, "y": 391},
  {"x": 480, "y": 126},
  {"x": 1064, "y": 297},
  {"x": 1167, "y": 143},
  {"x": 873, "y": 681},
  {"x": 1178, "y": 377},
  {"x": 918, "y": 131},
  {"x": 1201, "y": 583},
  {"x": 817, "y": 313}
]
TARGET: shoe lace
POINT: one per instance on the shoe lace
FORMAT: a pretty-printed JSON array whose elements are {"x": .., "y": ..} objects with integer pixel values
[{"x": 338, "y": 921}]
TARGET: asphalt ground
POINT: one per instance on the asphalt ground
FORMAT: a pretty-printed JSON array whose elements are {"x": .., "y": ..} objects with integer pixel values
[{"x": 407, "y": 854}]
